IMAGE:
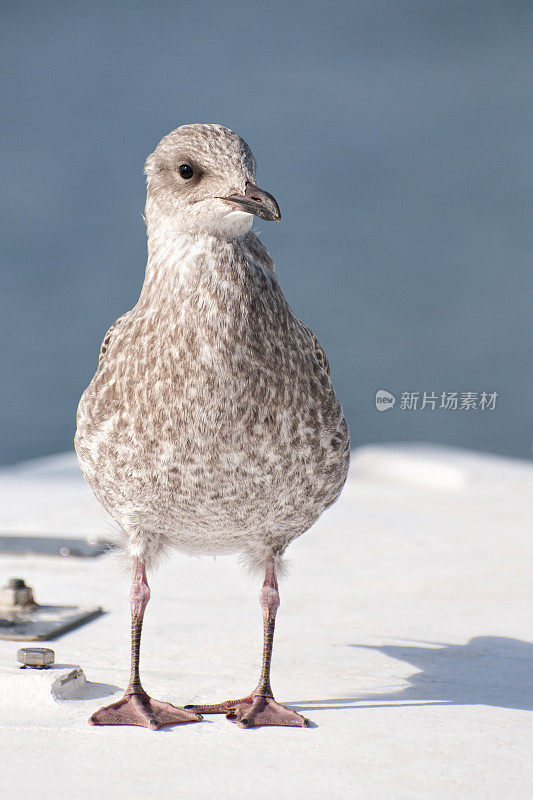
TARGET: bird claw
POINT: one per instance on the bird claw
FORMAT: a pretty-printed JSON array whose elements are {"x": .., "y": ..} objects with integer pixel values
[
  {"x": 137, "y": 708},
  {"x": 255, "y": 711}
]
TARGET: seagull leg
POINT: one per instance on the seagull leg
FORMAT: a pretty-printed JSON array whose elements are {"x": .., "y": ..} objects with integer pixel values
[
  {"x": 259, "y": 707},
  {"x": 136, "y": 707}
]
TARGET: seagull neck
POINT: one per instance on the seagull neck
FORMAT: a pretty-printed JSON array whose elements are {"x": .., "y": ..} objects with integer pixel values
[
  {"x": 167, "y": 242},
  {"x": 181, "y": 265}
]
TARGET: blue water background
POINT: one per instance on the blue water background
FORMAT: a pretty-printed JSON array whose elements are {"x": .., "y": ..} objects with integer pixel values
[{"x": 396, "y": 137}]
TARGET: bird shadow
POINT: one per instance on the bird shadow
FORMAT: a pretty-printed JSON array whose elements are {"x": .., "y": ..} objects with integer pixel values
[{"x": 487, "y": 670}]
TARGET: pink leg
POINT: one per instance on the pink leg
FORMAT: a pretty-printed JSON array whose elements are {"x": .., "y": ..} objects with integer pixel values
[
  {"x": 259, "y": 707},
  {"x": 136, "y": 707}
]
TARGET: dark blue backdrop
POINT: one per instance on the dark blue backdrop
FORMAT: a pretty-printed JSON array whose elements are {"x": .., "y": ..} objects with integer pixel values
[{"x": 396, "y": 137}]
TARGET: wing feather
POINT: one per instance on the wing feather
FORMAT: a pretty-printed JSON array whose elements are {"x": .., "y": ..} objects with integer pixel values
[
  {"x": 107, "y": 340},
  {"x": 319, "y": 350}
]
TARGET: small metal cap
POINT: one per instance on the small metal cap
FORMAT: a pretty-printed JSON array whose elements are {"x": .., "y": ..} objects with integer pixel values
[
  {"x": 36, "y": 657},
  {"x": 15, "y": 594},
  {"x": 16, "y": 583}
]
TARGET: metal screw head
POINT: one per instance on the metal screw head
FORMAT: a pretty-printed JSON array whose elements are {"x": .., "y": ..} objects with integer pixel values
[
  {"x": 16, "y": 583},
  {"x": 36, "y": 657},
  {"x": 16, "y": 594}
]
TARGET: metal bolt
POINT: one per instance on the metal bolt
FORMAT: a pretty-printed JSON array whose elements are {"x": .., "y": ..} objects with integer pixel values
[
  {"x": 36, "y": 657},
  {"x": 16, "y": 583},
  {"x": 16, "y": 594}
]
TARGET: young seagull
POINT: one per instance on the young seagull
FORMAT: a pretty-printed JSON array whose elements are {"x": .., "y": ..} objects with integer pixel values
[{"x": 211, "y": 424}]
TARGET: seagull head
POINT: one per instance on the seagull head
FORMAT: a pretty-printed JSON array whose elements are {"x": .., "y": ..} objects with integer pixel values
[{"x": 201, "y": 180}]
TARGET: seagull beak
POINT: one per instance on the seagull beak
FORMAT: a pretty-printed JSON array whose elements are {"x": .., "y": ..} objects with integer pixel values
[{"x": 256, "y": 201}]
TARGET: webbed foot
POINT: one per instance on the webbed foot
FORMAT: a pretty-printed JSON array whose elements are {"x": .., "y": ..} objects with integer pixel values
[
  {"x": 138, "y": 708},
  {"x": 254, "y": 711}
]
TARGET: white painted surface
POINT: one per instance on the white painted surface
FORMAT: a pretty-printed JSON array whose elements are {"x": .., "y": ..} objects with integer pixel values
[{"x": 405, "y": 634}]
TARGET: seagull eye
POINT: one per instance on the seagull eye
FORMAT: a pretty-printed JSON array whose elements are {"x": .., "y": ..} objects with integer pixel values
[{"x": 186, "y": 171}]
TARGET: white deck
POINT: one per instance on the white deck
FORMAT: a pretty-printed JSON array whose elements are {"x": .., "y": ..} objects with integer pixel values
[{"x": 404, "y": 633}]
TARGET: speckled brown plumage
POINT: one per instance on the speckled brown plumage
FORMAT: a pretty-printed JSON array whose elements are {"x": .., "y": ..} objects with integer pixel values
[{"x": 211, "y": 424}]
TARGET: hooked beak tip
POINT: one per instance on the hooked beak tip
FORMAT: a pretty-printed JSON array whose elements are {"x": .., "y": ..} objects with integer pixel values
[{"x": 258, "y": 202}]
